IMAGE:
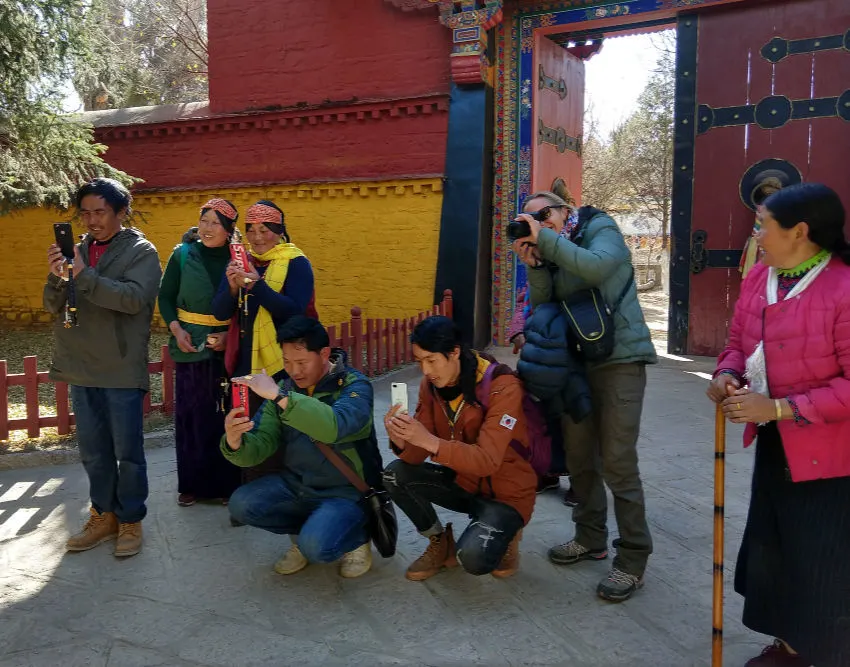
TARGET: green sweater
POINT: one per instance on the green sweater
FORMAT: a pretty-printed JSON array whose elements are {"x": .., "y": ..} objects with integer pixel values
[{"x": 190, "y": 281}]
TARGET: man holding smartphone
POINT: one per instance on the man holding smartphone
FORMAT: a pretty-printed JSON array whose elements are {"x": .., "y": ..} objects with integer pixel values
[{"x": 103, "y": 356}]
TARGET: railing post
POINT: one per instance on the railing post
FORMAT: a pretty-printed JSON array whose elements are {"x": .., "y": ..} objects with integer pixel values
[
  {"x": 448, "y": 304},
  {"x": 370, "y": 347},
  {"x": 31, "y": 393},
  {"x": 4, "y": 401},
  {"x": 167, "y": 382},
  {"x": 357, "y": 338}
]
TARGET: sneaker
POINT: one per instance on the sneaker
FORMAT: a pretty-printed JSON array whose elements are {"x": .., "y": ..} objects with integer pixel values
[
  {"x": 509, "y": 564},
  {"x": 292, "y": 561},
  {"x": 572, "y": 552},
  {"x": 777, "y": 655},
  {"x": 439, "y": 555},
  {"x": 548, "y": 483},
  {"x": 570, "y": 498},
  {"x": 98, "y": 529},
  {"x": 129, "y": 539},
  {"x": 618, "y": 586},
  {"x": 186, "y": 500},
  {"x": 356, "y": 563}
]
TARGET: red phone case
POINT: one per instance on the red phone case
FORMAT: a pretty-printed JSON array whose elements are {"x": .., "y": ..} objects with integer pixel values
[
  {"x": 239, "y": 255},
  {"x": 240, "y": 397}
]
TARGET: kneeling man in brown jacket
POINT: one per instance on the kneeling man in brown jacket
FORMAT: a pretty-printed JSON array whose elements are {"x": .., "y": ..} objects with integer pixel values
[{"x": 478, "y": 468}]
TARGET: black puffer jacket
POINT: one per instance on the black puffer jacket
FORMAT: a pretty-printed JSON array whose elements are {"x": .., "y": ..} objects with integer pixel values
[{"x": 548, "y": 368}]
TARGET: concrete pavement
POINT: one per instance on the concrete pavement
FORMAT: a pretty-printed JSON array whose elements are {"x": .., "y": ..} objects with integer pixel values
[{"x": 204, "y": 593}]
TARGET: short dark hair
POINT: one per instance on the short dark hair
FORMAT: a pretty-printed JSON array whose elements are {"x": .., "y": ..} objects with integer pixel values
[
  {"x": 818, "y": 206},
  {"x": 113, "y": 193},
  {"x": 306, "y": 331}
]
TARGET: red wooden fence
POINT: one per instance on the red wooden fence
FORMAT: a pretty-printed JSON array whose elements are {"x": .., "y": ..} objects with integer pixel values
[{"x": 374, "y": 347}]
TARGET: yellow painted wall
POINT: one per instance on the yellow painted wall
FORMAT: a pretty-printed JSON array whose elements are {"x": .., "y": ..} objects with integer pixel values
[{"x": 372, "y": 244}]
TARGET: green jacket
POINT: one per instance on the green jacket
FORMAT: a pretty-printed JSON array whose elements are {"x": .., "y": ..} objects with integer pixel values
[
  {"x": 339, "y": 413},
  {"x": 115, "y": 303},
  {"x": 194, "y": 293},
  {"x": 601, "y": 260}
]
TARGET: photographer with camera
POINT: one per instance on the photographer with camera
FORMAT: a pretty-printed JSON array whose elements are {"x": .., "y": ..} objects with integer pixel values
[
  {"x": 589, "y": 271},
  {"x": 323, "y": 400},
  {"x": 104, "y": 359}
]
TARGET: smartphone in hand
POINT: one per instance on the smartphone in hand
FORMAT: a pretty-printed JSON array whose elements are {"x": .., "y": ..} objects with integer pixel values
[
  {"x": 240, "y": 397},
  {"x": 64, "y": 238},
  {"x": 398, "y": 395}
]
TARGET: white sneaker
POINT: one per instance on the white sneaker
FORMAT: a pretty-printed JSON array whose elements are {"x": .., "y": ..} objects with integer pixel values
[
  {"x": 292, "y": 561},
  {"x": 356, "y": 563}
]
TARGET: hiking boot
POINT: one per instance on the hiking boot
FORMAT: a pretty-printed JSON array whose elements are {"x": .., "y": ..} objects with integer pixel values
[
  {"x": 548, "y": 482},
  {"x": 439, "y": 555},
  {"x": 509, "y": 564},
  {"x": 573, "y": 552},
  {"x": 129, "y": 539},
  {"x": 618, "y": 586},
  {"x": 292, "y": 561},
  {"x": 356, "y": 563},
  {"x": 186, "y": 500},
  {"x": 98, "y": 529},
  {"x": 570, "y": 498},
  {"x": 777, "y": 655}
]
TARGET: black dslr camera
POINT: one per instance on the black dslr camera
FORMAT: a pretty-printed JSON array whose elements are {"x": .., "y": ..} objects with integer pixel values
[{"x": 519, "y": 229}]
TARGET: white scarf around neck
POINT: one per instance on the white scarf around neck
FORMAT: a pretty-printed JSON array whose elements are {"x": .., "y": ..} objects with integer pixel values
[{"x": 756, "y": 372}]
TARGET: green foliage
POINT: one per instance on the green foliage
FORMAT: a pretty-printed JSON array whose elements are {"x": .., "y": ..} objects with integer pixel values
[
  {"x": 633, "y": 170},
  {"x": 147, "y": 52},
  {"x": 44, "y": 156}
]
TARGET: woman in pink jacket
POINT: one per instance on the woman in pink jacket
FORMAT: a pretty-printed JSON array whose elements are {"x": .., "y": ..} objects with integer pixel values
[{"x": 786, "y": 374}]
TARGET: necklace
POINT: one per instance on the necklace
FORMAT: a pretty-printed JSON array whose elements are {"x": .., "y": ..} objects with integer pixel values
[{"x": 804, "y": 267}]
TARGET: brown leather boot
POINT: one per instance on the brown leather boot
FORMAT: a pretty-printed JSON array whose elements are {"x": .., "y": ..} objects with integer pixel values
[
  {"x": 439, "y": 555},
  {"x": 129, "y": 539},
  {"x": 509, "y": 564},
  {"x": 98, "y": 529}
]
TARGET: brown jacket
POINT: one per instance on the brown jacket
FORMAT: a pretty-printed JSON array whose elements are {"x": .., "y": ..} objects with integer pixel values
[{"x": 477, "y": 446}]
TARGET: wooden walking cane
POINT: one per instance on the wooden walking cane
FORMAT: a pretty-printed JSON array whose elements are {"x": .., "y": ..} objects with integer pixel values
[{"x": 719, "y": 500}]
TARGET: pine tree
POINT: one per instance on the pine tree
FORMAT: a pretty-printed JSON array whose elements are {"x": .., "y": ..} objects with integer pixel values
[{"x": 44, "y": 155}]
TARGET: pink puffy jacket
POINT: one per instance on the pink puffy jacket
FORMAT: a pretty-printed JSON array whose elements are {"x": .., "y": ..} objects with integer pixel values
[{"x": 807, "y": 356}]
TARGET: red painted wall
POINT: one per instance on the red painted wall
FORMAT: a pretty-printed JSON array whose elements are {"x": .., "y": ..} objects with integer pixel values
[
  {"x": 287, "y": 52},
  {"x": 374, "y": 141}
]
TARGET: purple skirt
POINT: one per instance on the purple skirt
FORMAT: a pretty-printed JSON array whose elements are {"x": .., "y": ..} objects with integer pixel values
[{"x": 202, "y": 470}]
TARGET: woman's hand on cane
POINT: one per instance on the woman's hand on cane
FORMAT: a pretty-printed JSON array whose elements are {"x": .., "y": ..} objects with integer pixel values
[{"x": 721, "y": 387}]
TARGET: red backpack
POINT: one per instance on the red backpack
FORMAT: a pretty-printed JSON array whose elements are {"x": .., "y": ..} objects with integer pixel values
[{"x": 539, "y": 450}]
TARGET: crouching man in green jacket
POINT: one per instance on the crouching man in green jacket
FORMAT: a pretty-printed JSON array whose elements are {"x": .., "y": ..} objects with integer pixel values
[{"x": 323, "y": 400}]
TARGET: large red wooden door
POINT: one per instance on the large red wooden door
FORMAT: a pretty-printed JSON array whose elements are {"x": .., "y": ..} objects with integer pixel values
[
  {"x": 558, "y": 108},
  {"x": 771, "y": 83}
]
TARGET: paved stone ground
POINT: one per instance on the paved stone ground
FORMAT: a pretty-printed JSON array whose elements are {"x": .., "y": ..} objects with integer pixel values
[{"x": 203, "y": 593}]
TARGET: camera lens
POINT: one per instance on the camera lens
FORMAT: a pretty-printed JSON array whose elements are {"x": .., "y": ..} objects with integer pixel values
[{"x": 518, "y": 229}]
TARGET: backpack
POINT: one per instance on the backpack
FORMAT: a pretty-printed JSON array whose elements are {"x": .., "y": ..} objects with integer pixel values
[{"x": 539, "y": 451}]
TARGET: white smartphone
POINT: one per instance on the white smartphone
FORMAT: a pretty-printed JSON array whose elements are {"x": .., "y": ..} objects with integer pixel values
[{"x": 398, "y": 395}]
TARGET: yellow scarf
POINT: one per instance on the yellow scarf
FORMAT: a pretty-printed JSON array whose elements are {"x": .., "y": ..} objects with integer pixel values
[{"x": 265, "y": 352}]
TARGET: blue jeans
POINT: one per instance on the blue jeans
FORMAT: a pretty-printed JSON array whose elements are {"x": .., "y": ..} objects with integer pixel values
[
  {"x": 327, "y": 528},
  {"x": 111, "y": 441}
]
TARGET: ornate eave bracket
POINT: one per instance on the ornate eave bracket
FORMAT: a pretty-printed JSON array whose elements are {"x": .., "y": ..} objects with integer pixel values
[{"x": 469, "y": 22}]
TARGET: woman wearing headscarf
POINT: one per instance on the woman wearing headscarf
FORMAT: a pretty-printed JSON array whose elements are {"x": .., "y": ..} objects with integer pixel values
[
  {"x": 278, "y": 284},
  {"x": 198, "y": 338},
  {"x": 785, "y": 373}
]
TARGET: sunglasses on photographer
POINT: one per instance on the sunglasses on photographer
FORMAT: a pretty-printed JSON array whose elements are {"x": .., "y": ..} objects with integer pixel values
[{"x": 543, "y": 214}]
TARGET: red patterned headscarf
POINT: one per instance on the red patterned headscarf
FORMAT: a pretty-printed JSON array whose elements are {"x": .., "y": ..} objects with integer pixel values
[
  {"x": 271, "y": 217},
  {"x": 224, "y": 208}
]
